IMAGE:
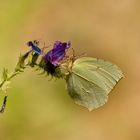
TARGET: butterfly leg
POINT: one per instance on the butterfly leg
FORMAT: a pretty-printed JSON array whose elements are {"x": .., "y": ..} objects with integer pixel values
[{"x": 44, "y": 48}]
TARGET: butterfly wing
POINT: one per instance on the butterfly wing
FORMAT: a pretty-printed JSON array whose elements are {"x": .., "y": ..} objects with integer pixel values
[{"x": 91, "y": 80}]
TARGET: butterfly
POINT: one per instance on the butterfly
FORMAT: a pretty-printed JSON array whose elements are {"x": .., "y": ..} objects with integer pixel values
[{"x": 91, "y": 80}]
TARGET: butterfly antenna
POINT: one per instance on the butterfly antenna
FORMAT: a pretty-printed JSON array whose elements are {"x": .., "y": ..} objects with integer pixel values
[
  {"x": 73, "y": 56},
  {"x": 78, "y": 56},
  {"x": 82, "y": 55},
  {"x": 3, "y": 105}
]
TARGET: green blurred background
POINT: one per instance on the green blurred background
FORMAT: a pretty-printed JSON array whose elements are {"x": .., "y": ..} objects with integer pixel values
[{"x": 39, "y": 109}]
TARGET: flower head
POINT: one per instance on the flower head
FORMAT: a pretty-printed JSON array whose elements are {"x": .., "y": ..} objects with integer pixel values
[
  {"x": 34, "y": 44},
  {"x": 58, "y": 52}
]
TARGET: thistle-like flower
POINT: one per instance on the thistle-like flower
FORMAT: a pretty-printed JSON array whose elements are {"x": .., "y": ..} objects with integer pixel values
[
  {"x": 50, "y": 61},
  {"x": 58, "y": 52}
]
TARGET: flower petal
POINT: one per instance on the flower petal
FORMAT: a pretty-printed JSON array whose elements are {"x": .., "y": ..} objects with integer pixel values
[
  {"x": 58, "y": 52},
  {"x": 34, "y": 44}
]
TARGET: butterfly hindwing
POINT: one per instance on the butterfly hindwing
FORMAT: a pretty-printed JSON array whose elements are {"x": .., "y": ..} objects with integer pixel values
[{"x": 85, "y": 93}]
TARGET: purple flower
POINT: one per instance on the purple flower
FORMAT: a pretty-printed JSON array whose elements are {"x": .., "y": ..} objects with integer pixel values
[
  {"x": 34, "y": 45},
  {"x": 58, "y": 52}
]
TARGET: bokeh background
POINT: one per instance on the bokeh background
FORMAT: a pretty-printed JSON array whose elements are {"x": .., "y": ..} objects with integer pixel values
[{"x": 39, "y": 109}]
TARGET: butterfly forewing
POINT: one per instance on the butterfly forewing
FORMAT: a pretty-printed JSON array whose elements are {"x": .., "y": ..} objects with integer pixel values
[{"x": 100, "y": 72}]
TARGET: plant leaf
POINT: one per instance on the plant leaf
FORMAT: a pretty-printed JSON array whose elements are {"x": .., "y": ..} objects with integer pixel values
[
  {"x": 33, "y": 60},
  {"x": 21, "y": 62},
  {"x": 5, "y": 74}
]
